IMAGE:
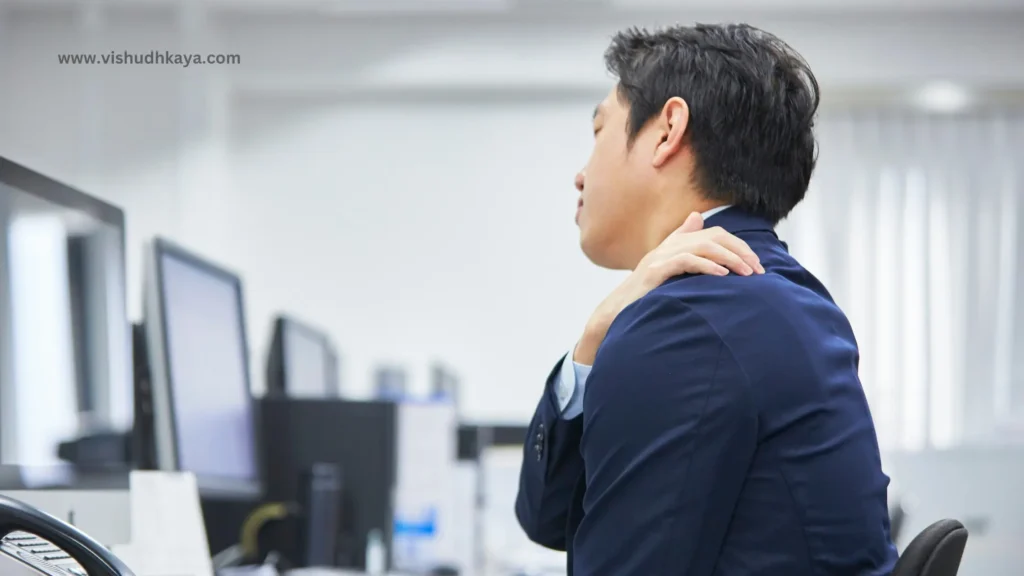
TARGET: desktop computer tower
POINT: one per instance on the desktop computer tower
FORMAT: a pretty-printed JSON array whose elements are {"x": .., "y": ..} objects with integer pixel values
[{"x": 396, "y": 466}]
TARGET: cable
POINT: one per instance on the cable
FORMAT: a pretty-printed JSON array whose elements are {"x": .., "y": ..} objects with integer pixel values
[{"x": 255, "y": 521}]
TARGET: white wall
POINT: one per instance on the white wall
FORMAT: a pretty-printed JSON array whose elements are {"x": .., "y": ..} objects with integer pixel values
[
  {"x": 405, "y": 183},
  {"x": 428, "y": 235}
]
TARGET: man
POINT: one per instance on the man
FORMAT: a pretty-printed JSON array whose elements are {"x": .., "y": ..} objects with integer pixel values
[{"x": 710, "y": 423}]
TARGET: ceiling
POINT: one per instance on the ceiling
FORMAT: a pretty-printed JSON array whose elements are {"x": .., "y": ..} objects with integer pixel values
[{"x": 406, "y": 7}]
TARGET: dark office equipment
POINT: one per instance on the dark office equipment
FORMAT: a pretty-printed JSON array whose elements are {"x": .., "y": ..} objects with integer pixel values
[
  {"x": 937, "y": 551},
  {"x": 101, "y": 451},
  {"x": 50, "y": 228},
  {"x": 475, "y": 438},
  {"x": 302, "y": 361},
  {"x": 144, "y": 437},
  {"x": 357, "y": 437},
  {"x": 390, "y": 383},
  {"x": 33, "y": 543},
  {"x": 320, "y": 498},
  {"x": 198, "y": 364}
]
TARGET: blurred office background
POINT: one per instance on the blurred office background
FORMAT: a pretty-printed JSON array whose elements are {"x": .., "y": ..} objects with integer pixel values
[{"x": 400, "y": 172}]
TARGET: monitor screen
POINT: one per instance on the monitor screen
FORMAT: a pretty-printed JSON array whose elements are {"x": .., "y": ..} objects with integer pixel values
[
  {"x": 301, "y": 362},
  {"x": 65, "y": 349},
  {"x": 306, "y": 362},
  {"x": 207, "y": 370}
]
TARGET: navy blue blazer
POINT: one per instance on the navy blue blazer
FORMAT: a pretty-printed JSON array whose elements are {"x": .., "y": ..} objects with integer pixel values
[{"x": 724, "y": 432}]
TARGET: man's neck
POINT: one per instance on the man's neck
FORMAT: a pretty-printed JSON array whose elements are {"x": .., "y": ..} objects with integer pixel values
[
  {"x": 661, "y": 230},
  {"x": 671, "y": 220}
]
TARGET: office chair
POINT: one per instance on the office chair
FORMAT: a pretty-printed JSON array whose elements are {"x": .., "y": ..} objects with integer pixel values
[{"x": 936, "y": 551}]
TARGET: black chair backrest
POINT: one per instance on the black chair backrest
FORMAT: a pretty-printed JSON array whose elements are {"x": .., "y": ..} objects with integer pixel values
[{"x": 936, "y": 551}]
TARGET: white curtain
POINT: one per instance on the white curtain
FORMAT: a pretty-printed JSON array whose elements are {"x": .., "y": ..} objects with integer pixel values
[{"x": 913, "y": 223}]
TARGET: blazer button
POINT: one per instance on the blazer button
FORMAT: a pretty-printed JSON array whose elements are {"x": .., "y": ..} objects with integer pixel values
[{"x": 540, "y": 438}]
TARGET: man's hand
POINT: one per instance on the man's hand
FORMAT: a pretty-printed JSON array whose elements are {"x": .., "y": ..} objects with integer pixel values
[{"x": 688, "y": 250}]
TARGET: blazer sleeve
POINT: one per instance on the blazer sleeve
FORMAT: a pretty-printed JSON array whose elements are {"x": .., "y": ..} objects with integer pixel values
[
  {"x": 670, "y": 434},
  {"x": 552, "y": 464}
]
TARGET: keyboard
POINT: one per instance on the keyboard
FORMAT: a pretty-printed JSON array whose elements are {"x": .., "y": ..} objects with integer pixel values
[{"x": 40, "y": 554}]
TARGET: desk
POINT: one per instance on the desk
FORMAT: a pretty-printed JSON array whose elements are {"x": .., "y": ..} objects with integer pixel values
[
  {"x": 334, "y": 572},
  {"x": 268, "y": 570},
  {"x": 344, "y": 572}
]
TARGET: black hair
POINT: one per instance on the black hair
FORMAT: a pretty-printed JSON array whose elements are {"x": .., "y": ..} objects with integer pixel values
[{"x": 752, "y": 102}]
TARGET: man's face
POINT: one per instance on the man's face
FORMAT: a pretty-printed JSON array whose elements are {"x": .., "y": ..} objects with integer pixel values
[{"x": 615, "y": 190}]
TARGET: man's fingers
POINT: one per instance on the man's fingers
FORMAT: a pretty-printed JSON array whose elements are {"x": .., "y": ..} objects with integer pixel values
[
  {"x": 694, "y": 222},
  {"x": 741, "y": 249},
  {"x": 721, "y": 255},
  {"x": 687, "y": 263}
]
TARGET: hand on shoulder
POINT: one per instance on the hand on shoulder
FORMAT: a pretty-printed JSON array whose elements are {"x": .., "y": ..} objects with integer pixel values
[{"x": 690, "y": 249}]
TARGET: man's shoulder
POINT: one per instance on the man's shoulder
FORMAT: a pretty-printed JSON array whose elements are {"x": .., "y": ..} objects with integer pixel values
[
  {"x": 769, "y": 312},
  {"x": 780, "y": 302},
  {"x": 711, "y": 296},
  {"x": 715, "y": 302},
  {"x": 652, "y": 343},
  {"x": 658, "y": 321}
]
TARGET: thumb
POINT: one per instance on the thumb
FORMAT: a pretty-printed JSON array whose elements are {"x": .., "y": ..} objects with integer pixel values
[{"x": 694, "y": 222}]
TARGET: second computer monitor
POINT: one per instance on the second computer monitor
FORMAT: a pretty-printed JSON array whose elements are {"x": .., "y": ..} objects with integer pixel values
[
  {"x": 202, "y": 403},
  {"x": 302, "y": 362}
]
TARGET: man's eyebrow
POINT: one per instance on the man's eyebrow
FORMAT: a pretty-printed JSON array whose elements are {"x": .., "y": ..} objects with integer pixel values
[{"x": 597, "y": 110}]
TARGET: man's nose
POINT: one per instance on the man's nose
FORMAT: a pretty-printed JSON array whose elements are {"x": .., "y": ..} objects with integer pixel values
[{"x": 579, "y": 181}]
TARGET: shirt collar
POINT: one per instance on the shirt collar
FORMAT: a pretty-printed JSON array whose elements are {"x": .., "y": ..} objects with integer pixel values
[
  {"x": 733, "y": 219},
  {"x": 709, "y": 213}
]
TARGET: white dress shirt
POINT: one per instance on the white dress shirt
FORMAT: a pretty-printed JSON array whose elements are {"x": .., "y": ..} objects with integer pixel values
[{"x": 571, "y": 381}]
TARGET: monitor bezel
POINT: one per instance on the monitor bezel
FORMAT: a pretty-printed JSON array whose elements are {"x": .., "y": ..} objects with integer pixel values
[
  {"x": 209, "y": 485},
  {"x": 18, "y": 176}
]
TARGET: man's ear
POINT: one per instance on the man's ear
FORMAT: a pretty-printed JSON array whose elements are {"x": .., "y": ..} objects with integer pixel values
[{"x": 671, "y": 123}]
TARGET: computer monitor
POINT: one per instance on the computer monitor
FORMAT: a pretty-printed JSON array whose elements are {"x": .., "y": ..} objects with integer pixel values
[
  {"x": 444, "y": 383},
  {"x": 202, "y": 405},
  {"x": 390, "y": 382},
  {"x": 302, "y": 362},
  {"x": 65, "y": 348}
]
